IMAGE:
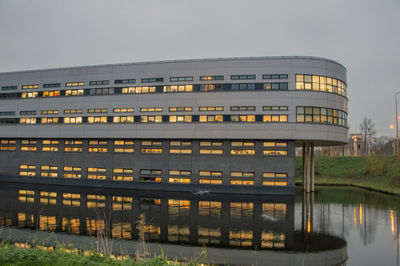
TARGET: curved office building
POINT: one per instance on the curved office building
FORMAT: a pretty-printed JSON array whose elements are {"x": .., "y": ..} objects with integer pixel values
[{"x": 219, "y": 125}]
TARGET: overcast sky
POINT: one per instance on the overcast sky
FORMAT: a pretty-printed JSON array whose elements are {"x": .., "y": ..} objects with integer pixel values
[{"x": 363, "y": 35}]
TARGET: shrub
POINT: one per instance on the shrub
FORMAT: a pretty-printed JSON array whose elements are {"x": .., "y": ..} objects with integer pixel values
[{"x": 376, "y": 165}]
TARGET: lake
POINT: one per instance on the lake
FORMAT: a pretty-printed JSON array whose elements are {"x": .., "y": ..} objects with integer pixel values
[{"x": 332, "y": 226}]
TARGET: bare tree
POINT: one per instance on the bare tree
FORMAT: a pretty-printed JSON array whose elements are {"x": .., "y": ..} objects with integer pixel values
[{"x": 367, "y": 128}]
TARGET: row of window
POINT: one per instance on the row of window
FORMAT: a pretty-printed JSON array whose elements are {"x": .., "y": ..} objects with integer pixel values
[
  {"x": 320, "y": 115},
  {"x": 147, "y": 89},
  {"x": 273, "y": 118},
  {"x": 121, "y": 174},
  {"x": 234, "y": 143},
  {"x": 144, "y": 80},
  {"x": 321, "y": 83},
  {"x": 188, "y": 151},
  {"x": 201, "y": 173}
]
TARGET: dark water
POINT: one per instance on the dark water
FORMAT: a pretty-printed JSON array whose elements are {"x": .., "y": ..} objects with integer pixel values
[{"x": 313, "y": 229}]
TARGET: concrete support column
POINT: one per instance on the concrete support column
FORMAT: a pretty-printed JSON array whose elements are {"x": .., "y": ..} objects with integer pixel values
[
  {"x": 312, "y": 167},
  {"x": 304, "y": 166},
  {"x": 308, "y": 167}
]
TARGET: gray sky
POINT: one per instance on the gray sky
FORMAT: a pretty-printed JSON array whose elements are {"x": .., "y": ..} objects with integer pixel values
[{"x": 363, "y": 35}]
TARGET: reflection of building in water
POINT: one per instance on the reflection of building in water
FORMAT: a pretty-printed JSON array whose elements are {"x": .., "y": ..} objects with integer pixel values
[
  {"x": 235, "y": 229},
  {"x": 250, "y": 222}
]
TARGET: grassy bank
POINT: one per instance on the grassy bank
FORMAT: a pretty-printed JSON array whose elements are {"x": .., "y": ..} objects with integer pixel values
[
  {"x": 11, "y": 255},
  {"x": 375, "y": 172}
]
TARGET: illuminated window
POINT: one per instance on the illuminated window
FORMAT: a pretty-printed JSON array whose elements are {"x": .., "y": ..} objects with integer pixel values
[
  {"x": 181, "y": 109},
  {"x": 211, "y": 87},
  {"x": 123, "y": 119},
  {"x": 210, "y": 208},
  {"x": 240, "y": 238},
  {"x": 48, "y": 198},
  {"x": 73, "y": 142},
  {"x": 74, "y": 84},
  {"x": 123, "y": 142},
  {"x": 124, "y": 110},
  {"x": 72, "y": 172},
  {"x": 211, "y": 151},
  {"x": 95, "y": 201},
  {"x": 51, "y": 93},
  {"x": 96, "y": 173},
  {"x": 272, "y": 240},
  {"x": 274, "y": 144},
  {"x": 73, "y": 120},
  {"x": 120, "y": 203},
  {"x": 208, "y": 235},
  {"x": 48, "y": 171},
  {"x": 98, "y": 110},
  {"x": 97, "y": 149},
  {"x": 71, "y": 225},
  {"x": 151, "y": 109},
  {"x": 242, "y": 174},
  {"x": 74, "y": 92},
  {"x": 274, "y": 183},
  {"x": 72, "y": 199},
  {"x": 242, "y": 143},
  {"x": 178, "y": 88},
  {"x": 242, "y": 152},
  {"x": 73, "y": 149},
  {"x": 208, "y": 78},
  {"x": 213, "y": 177},
  {"x": 49, "y": 112},
  {"x": 26, "y": 196},
  {"x": 275, "y": 152},
  {"x": 33, "y": 94},
  {"x": 211, "y": 108},
  {"x": 97, "y": 119},
  {"x": 275, "y": 118},
  {"x": 242, "y": 182},
  {"x": 321, "y": 83},
  {"x": 27, "y": 170},
  {"x": 139, "y": 90},
  {"x": 28, "y": 148},
  {"x": 49, "y": 120},
  {"x": 151, "y": 118},
  {"x": 30, "y": 120},
  {"x": 180, "y": 118},
  {"x": 122, "y": 174},
  {"x": 30, "y": 87},
  {"x": 210, "y": 118}
]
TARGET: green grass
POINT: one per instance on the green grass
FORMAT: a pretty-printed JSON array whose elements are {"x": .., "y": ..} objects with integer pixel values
[
  {"x": 376, "y": 172},
  {"x": 11, "y": 255}
]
